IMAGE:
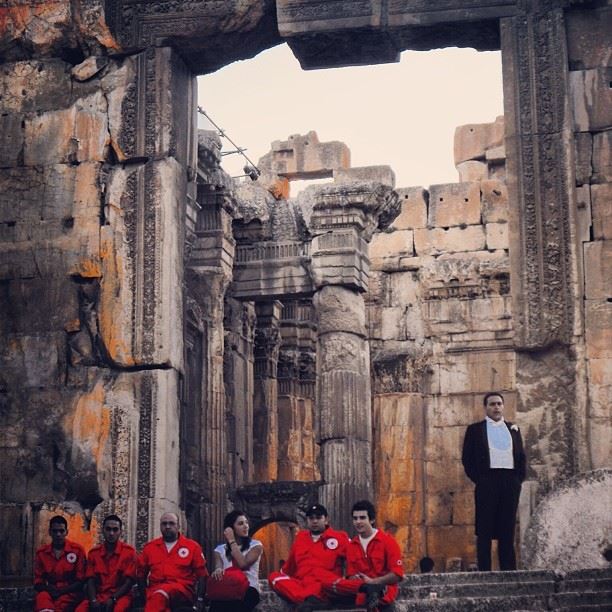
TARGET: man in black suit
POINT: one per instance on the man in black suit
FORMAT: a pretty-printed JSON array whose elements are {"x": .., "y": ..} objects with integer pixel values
[{"x": 494, "y": 460}]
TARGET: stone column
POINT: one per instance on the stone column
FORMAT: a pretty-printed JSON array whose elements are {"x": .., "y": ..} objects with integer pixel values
[
  {"x": 209, "y": 272},
  {"x": 546, "y": 285},
  {"x": 296, "y": 382},
  {"x": 343, "y": 220},
  {"x": 265, "y": 406}
]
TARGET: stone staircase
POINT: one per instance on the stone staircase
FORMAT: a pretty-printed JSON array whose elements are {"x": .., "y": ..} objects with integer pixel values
[
  {"x": 580, "y": 591},
  {"x": 584, "y": 590}
]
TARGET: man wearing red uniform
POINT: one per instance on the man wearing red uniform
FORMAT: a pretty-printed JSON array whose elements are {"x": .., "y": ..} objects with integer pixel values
[
  {"x": 373, "y": 564},
  {"x": 59, "y": 571},
  {"x": 111, "y": 571},
  {"x": 317, "y": 556},
  {"x": 174, "y": 566}
]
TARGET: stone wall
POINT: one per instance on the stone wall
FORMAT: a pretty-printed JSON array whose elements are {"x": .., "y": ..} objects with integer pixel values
[
  {"x": 441, "y": 335},
  {"x": 591, "y": 100},
  {"x": 91, "y": 217}
]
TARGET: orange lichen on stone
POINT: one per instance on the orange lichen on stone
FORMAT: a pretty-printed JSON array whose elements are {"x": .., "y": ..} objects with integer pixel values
[
  {"x": 87, "y": 268},
  {"x": 89, "y": 424},
  {"x": 78, "y": 528},
  {"x": 110, "y": 310}
]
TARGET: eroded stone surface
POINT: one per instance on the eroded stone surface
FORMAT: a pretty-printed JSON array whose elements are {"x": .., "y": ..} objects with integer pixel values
[{"x": 566, "y": 533}]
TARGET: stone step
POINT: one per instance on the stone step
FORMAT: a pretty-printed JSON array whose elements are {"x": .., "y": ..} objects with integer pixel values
[
  {"x": 588, "y": 584},
  {"x": 603, "y": 573},
  {"x": 479, "y": 589},
  {"x": 520, "y": 576},
  {"x": 568, "y": 601}
]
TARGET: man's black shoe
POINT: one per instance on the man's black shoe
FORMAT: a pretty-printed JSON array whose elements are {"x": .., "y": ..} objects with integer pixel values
[
  {"x": 309, "y": 604},
  {"x": 373, "y": 592}
]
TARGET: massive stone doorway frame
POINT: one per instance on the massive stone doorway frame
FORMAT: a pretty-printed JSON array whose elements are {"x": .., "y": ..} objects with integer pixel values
[
  {"x": 153, "y": 135},
  {"x": 539, "y": 136}
]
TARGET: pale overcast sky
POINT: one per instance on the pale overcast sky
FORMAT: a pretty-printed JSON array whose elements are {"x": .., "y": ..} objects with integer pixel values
[{"x": 403, "y": 115}]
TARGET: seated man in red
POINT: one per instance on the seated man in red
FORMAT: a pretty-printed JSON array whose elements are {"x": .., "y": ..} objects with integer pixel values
[
  {"x": 111, "y": 571},
  {"x": 317, "y": 556},
  {"x": 373, "y": 564},
  {"x": 173, "y": 567},
  {"x": 59, "y": 571}
]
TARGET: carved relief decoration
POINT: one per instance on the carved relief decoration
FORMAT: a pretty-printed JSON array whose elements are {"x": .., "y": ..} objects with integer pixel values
[{"x": 534, "y": 48}]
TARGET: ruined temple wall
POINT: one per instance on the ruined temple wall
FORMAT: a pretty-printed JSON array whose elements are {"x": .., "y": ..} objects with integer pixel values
[
  {"x": 590, "y": 66},
  {"x": 93, "y": 172},
  {"x": 441, "y": 333}
]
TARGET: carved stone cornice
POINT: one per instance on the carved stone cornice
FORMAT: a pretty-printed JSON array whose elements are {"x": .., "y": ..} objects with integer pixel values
[
  {"x": 363, "y": 206},
  {"x": 539, "y": 138}
]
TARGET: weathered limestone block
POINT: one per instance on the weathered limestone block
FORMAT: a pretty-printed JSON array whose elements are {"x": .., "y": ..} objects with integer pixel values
[
  {"x": 472, "y": 141},
  {"x": 54, "y": 209},
  {"x": 463, "y": 507},
  {"x": 73, "y": 135},
  {"x": 397, "y": 369},
  {"x": 497, "y": 236},
  {"x": 140, "y": 311},
  {"x": 494, "y": 195},
  {"x": 598, "y": 269},
  {"x": 591, "y": 99},
  {"x": 588, "y": 38},
  {"x": 583, "y": 213},
  {"x": 454, "y": 204},
  {"x": 376, "y": 174},
  {"x": 601, "y": 210},
  {"x": 602, "y": 157},
  {"x": 445, "y": 475},
  {"x": 398, "y": 467},
  {"x": 394, "y": 323},
  {"x": 404, "y": 289},
  {"x": 496, "y": 158},
  {"x": 391, "y": 243},
  {"x": 600, "y": 438},
  {"x": 11, "y": 145},
  {"x": 575, "y": 516},
  {"x": 470, "y": 171},
  {"x": 600, "y": 387},
  {"x": 583, "y": 153},
  {"x": 546, "y": 381},
  {"x": 459, "y": 410},
  {"x": 34, "y": 86},
  {"x": 304, "y": 157},
  {"x": 477, "y": 372},
  {"x": 413, "y": 201},
  {"x": 444, "y": 442},
  {"x": 450, "y": 541},
  {"x": 50, "y": 27},
  {"x": 598, "y": 327},
  {"x": 455, "y": 239}
]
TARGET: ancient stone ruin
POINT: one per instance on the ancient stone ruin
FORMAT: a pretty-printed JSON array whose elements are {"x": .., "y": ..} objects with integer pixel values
[{"x": 172, "y": 340}]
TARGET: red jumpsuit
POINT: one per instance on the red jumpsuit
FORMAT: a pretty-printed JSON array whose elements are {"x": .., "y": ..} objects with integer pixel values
[
  {"x": 172, "y": 575},
  {"x": 58, "y": 573},
  {"x": 309, "y": 565},
  {"x": 110, "y": 569},
  {"x": 383, "y": 556}
]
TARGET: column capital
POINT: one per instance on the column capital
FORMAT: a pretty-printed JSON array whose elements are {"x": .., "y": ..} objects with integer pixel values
[
  {"x": 365, "y": 207},
  {"x": 343, "y": 220}
]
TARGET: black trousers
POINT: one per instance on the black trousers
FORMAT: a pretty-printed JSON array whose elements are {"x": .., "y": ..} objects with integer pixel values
[
  {"x": 250, "y": 600},
  {"x": 496, "y": 496}
]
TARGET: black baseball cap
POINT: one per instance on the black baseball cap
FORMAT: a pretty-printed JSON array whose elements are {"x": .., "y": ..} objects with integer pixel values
[{"x": 316, "y": 510}]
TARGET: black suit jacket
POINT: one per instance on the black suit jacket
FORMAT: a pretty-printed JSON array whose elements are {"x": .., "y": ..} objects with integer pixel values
[{"x": 475, "y": 456}]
